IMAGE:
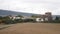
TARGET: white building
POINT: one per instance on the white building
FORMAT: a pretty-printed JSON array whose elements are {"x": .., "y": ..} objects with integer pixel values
[
  {"x": 14, "y": 17},
  {"x": 39, "y": 19}
]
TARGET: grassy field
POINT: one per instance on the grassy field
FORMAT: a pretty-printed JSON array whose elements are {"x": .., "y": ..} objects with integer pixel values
[{"x": 32, "y": 28}]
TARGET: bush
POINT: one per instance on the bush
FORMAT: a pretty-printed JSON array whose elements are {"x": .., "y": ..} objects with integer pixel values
[
  {"x": 18, "y": 20},
  {"x": 0, "y": 21},
  {"x": 56, "y": 21},
  {"x": 28, "y": 20},
  {"x": 8, "y": 21}
]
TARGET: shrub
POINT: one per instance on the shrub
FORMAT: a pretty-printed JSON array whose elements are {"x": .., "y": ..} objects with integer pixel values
[
  {"x": 18, "y": 20},
  {"x": 8, "y": 21}
]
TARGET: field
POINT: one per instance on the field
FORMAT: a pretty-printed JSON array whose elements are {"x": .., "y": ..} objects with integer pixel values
[{"x": 32, "y": 28}]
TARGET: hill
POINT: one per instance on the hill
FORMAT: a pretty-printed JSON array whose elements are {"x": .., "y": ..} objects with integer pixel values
[
  {"x": 13, "y": 13},
  {"x": 8, "y": 12}
]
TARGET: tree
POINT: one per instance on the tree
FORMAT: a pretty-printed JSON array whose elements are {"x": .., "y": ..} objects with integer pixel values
[
  {"x": 34, "y": 16},
  {"x": 19, "y": 16},
  {"x": 57, "y": 18},
  {"x": 5, "y": 19},
  {"x": 1, "y": 17}
]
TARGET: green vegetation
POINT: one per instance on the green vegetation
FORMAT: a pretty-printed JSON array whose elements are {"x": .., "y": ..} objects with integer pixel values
[
  {"x": 34, "y": 16},
  {"x": 19, "y": 16},
  {"x": 7, "y": 20},
  {"x": 56, "y": 20}
]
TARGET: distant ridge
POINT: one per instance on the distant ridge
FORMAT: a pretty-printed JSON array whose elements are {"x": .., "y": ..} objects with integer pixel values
[{"x": 8, "y": 12}]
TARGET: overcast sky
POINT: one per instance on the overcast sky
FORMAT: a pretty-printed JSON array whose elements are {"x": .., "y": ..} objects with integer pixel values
[{"x": 32, "y": 6}]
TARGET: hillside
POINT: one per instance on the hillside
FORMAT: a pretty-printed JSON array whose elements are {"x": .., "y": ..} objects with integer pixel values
[
  {"x": 8, "y": 12},
  {"x": 13, "y": 13}
]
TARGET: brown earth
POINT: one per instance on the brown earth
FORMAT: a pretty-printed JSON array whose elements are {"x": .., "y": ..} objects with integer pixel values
[{"x": 32, "y": 28}]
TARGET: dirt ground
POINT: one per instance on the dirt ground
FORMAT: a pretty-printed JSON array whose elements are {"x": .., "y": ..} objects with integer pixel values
[{"x": 32, "y": 28}]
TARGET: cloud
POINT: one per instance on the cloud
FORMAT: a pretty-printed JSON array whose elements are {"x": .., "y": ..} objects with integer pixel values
[{"x": 31, "y": 6}]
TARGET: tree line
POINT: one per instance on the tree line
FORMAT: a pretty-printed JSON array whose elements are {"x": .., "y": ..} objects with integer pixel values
[{"x": 7, "y": 20}]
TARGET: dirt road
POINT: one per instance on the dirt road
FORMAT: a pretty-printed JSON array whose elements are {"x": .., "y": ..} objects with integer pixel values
[{"x": 32, "y": 28}]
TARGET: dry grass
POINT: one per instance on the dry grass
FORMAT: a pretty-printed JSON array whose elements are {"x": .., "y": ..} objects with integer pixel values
[{"x": 32, "y": 28}]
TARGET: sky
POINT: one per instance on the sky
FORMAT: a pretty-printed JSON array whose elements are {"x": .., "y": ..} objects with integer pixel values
[{"x": 32, "y": 6}]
